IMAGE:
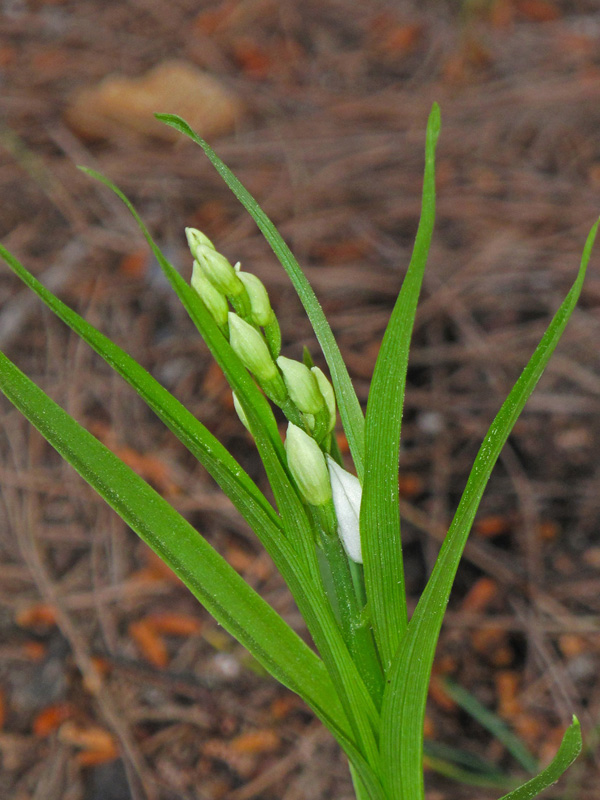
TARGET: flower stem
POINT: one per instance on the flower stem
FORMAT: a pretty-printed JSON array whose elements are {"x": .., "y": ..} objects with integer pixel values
[{"x": 357, "y": 635}]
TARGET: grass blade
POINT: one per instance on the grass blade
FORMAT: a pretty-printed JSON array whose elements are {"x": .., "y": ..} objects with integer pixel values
[
  {"x": 569, "y": 749},
  {"x": 460, "y": 765},
  {"x": 307, "y": 590},
  {"x": 492, "y": 722},
  {"x": 209, "y": 577},
  {"x": 379, "y": 514},
  {"x": 257, "y": 408},
  {"x": 216, "y": 459},
  {"x": 403, "y": 709},
  {"x": 217, "y": 586},
  {"x": 349, "y": 407}
]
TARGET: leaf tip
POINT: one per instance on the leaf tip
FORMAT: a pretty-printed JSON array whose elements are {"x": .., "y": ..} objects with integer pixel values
[
  {"x": 434, "y": 124},
  {"x": 177, "y": 122},
  {"x": 87, "y": 170}
]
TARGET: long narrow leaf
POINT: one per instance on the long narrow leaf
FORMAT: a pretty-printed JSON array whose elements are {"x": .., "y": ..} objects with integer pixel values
[
  {"x": 209, "y": 451},
  {"x": 309, "y": 594},
  {"x": 379, "y": 514},
  {"x": 257, "y": 408},
  {"x": 208, "y": 576},
  {"x": 569, "y": 749},
  {"x": 217, "y": 460},
  {"x": 492, "y": 722},
  {"x": 233, "y": 603},
  {"x": 403, "y": 708},
  {"x": 58, "y": 429},
  {"x": 348, "y": 404}
]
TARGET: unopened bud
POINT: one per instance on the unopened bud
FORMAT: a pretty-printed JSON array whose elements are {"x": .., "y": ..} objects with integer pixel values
[
  {"x": 326, "y": 390},
  {"x": 212, "y": 298},
  {"x": 301, "y": 385},
  {"x": 261, "y": 311},
  {"x": 219, "y": 271},
  {"x": 252, "y": 349},
  {"x": 195, "y": 238},
  {"x": 240, "y": 412},
  {"x": 347, "y": 494},
  {"x": 307, "y": 465}
]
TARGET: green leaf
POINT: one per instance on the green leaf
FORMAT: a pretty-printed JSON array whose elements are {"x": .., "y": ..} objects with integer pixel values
[
  {"x": 379, "y": 514},
  {"x": 216, "y": 459},
  {"x": 209, "y": 577},
  {"x": 210, "y": 452},
  {"x": 348, "y": 404},
  {"x": 260, "y": 415},
  {"x": 403, "y": 709},
  {"x": 304, "y": 579},
  {"x": 569, "y": 749},
  {"x": 492, "y": 722},
  {"x": 460, "y": 765}
]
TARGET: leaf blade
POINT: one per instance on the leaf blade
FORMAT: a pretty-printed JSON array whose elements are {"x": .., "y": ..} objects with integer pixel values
[
  {"x": 208, "y": 576},
  {"x": 357, "y": 702},
  {"x": 217, "y": 460},
  {"x": 493, "y": 723},
  {"x": 201, "y": 569},
  {"x": 349, "y": 407},
  {"x": 380, "y": 507},
  {"x": 569, "y": 749},
  {"x": 404, "y": 702}
]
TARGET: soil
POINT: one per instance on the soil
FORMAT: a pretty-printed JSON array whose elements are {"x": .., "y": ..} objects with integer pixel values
[{"x": 114, "y": 683}]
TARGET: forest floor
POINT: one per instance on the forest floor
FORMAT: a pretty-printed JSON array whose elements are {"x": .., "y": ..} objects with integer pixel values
[{"x": 114, "y": 683}]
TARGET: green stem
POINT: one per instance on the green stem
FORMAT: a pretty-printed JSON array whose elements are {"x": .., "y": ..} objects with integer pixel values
[
  {"x": 357, "y": 635},
  {"x": 358, "y": 579},
  {"x": 321, "y": 425},
  {"x": 292, "y": 414},
  {"x": 273, "y": 337},
  {"x": 241, "y": 303}
]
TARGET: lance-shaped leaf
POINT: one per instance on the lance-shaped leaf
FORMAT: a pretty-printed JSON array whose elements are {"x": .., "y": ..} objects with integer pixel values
[
  {"x": 349, "y": 406},
  {"x": 351, "y": 690},
  {"x": 216, "y": 459},
  {"x": 233, "y": 603},
  {"x": 234, "y": 481},
  {"x": 569, "y": 749},
  {"x": 403, "y": 709},
  {"x": 380, "y": 514},
  {"x": 259, "y": 413}
]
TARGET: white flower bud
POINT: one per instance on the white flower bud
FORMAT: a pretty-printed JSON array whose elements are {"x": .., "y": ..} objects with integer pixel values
[
  {"x": 262, "y": 313},
  {"x": 347, "y": 494},
  {"x": 195, "y": 238},
  {"x": 211, "y": 296},
  {"x": 307, "y": 464},
  {"x": 218, "y": 270},
  {"x": 301, "y": 385},
  {"x": 252, "y": 349},
  {"x": 326, "y": 390}
]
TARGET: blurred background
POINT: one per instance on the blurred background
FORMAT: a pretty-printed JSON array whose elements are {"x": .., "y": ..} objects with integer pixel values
[{"x": 114, "y": 683}]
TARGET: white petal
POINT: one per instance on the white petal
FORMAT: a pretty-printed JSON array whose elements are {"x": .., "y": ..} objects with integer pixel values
[{"x": 347, "y": 494}]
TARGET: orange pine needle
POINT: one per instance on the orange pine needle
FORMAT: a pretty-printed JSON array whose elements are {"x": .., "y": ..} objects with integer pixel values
[
  {"x": 172, "y": 624},
  {"x": 480, "y": 596},
  {"x": 261, "y": 741},
  {"x": 51, "y": 718},
  {"x": 150, "y": 644},
  {"x": 38, "y": 615}
]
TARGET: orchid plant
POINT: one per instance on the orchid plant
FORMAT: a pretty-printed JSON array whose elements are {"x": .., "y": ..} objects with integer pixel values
[{"x": 333, "y": 535}]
